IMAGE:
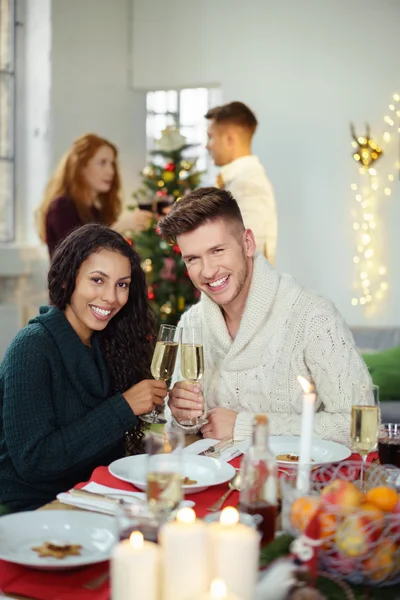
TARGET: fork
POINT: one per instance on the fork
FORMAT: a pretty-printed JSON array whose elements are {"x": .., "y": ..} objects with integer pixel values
[{"x": 215, "y": 451}]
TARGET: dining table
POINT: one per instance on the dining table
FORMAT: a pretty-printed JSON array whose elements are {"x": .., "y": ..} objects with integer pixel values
[{"x": 92, "y": 582}]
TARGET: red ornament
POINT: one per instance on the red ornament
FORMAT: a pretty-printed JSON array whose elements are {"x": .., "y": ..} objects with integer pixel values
[
  {"x": 130, "y": 241},
  {"x": 161, "y": 194},
  {"x": 170, "y": 167},
  {"x": 150, "y": 294},
  {"x": 176, "y": 249},
  {"x": 158, "y": 230}
]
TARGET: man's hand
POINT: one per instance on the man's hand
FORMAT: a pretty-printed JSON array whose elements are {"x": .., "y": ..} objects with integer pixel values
[
  {"x": 221, "y": 423},
  {"x": 186, "y": 401}
]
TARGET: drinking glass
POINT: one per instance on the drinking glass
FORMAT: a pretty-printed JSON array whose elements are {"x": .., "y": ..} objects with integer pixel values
[
  {"x": 389, "y": 451},
  {"x": 164, "y": 471},
  {"x": 192, "y": 365},
  {"x": 163, "y": 365},
  {"x": 365, "y": 418}
]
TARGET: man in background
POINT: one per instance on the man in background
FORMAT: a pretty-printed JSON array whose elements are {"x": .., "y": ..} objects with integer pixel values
[{"x": 230, "y": 133}]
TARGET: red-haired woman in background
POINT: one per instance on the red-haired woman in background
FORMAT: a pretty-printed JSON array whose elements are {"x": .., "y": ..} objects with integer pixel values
[{"x": 84, "y": 188}]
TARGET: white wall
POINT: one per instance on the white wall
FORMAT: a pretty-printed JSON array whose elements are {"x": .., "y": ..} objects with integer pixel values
[
  {"x": 306, "y": 68},
  {"x": 91, "y": 81}
]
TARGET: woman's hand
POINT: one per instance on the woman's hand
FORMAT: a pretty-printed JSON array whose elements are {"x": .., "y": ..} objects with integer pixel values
[{"x": 146, "y": 395}]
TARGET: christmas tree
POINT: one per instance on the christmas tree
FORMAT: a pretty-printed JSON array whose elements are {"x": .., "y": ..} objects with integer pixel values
[{"x": 166, "y": 179}]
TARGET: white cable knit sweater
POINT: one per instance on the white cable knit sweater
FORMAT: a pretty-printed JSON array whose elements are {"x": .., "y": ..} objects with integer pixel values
[{"x": 285, "y": 331}]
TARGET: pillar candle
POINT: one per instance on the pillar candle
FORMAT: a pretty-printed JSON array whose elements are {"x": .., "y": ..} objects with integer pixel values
[
  {"x": 135, "y": 569},
  {"x": 185, "y": 566},
  {"x": 218, "y": 591},
  {"x": 306, "y": 436},
  {"x": 234, "y": 554}
]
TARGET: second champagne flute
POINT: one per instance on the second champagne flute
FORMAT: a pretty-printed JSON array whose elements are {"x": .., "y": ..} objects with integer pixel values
[
  {"x": 365, "y": 419},
  {"x": 192, "y": 364},
  {"x": 163, "y": 364}
]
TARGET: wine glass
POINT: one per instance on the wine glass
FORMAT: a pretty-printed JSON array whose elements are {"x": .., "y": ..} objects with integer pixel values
[
  {"x": 164, "y": 471},
  {"x": 192, "y": 365},
  {"x": 389, "y": 451},
  {"x": 163, "y": 365},
  {"x": 365, "y": 418}
]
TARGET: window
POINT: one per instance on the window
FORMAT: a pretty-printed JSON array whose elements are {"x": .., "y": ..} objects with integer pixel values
[
  {"x": 7, "y": 91},
  {"x": 185, "y": 108}
]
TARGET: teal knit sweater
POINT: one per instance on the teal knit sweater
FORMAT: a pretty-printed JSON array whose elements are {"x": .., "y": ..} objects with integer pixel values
[{"x": 58, "y": 420}]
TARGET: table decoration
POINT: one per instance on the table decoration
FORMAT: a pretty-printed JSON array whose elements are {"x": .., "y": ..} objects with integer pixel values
[
  {"x": 135, "y": 569},
  {"x": 234, "y": 553},
  {"x": 185, "y": 560},
  {"x": 306, "y": 435}
]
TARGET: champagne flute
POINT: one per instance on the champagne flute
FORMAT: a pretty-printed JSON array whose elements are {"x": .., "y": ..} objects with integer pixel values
[
  {"x": 163, "y": 365},
  {"x": 365, "y": 418},
  {"x": 164, "y": 471},
  {"x": 192, "y": 364}
]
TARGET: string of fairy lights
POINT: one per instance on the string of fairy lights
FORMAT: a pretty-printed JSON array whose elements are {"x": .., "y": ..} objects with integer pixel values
[{"x": 370, "y": 284}]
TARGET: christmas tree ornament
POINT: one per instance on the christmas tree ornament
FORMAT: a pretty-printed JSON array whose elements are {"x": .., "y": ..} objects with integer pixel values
[
  {"x": 367, "y": 151},
  {"x": 166, "y": 309},
  {"x": 176, "y": 193},
  {"x": 183, "y": 174},
  {"x": 170, "y": 166},
  {"x": 181, "y": 303},
  {"x": 160, "y": 183},
  {"x": 171, "y": 140},
  {"x": 148, "y": 172},
  {"x": 150, "y": 294},
  {"x": 168, "y": 176},
  {"x": 186, "y": 164},
  {"x": 147, "y": 265}
]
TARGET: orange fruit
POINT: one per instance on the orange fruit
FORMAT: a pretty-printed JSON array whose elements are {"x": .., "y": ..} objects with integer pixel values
[
  {"x": 302, "y": 510},
  {"x": 383, "y": 497},
  {"x": 374, "y": 513},
  {"x": 382, "y": 562},
  {"x": 328, "y": 524}
]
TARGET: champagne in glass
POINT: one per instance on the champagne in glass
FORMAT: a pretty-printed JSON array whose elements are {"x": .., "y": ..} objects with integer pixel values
[
  {"x": 163, "y": 365},
  {"x": 192, "y": 364},
  {"x": 164, "y": 471},
  {"x": 365, "y": 419}
]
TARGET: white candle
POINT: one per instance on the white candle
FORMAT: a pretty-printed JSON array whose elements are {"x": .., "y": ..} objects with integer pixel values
[
  {"x": 306, "y": 436},
  {"x": 135, "y": 569},
  {"x": 234, "y": 554},
  {"x": 218, "y": 591},
  {"x": 185, "y": 569}
]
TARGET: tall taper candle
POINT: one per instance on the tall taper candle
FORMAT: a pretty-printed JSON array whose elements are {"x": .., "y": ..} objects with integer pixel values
[{"x": 306, "y": 436}]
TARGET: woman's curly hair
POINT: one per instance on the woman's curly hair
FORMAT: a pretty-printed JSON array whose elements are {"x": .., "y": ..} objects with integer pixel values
[{"x": 128, "y": 340}]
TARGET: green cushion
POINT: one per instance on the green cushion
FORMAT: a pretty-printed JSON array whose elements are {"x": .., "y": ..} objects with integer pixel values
[
  {"x": 4, "y": 510},
  {"x": 385, "y": 371}
]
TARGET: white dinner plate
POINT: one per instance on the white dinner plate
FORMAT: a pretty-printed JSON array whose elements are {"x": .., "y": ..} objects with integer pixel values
[
  {"x": 21, "y": 532},
  {"x": 322, "y": 451},
  {"x": 205, "y": 471}
]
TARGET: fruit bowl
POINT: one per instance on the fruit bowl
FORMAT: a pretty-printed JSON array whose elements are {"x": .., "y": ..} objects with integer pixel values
[{"x": 360, "y": 530}]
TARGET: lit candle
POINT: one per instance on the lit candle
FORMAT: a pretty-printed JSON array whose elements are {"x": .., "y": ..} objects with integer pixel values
[
  {"x": 234, "y": 553},
  {"x": 135, "y": 566},
  {"x": 306, "y": 436},
  {"x": 218, "y": 591},
  {"x": 184, "y": 542}
]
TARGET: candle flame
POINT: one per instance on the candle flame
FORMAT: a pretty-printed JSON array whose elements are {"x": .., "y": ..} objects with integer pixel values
[
  {"x": 218, "y": 589},
  {"x": 136, "y": 540},
  {"x": 306, "y": 385},
  {"x": 186, "y": 516},
  {"x": 229, "y": 516}
]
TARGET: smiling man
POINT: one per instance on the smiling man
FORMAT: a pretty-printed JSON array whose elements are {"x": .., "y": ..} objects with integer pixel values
[{"x": 260, "y": 331}]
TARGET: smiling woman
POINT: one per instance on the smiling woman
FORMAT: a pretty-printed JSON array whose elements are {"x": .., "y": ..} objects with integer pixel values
[
  {"x": 73, "y": 382},
  {"x": 85, "y": 188}
]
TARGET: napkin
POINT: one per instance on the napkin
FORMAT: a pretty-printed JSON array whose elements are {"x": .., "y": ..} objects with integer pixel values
[
  {"x": 227, "y": 455},
  {"x": 103, "y": 506}
]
